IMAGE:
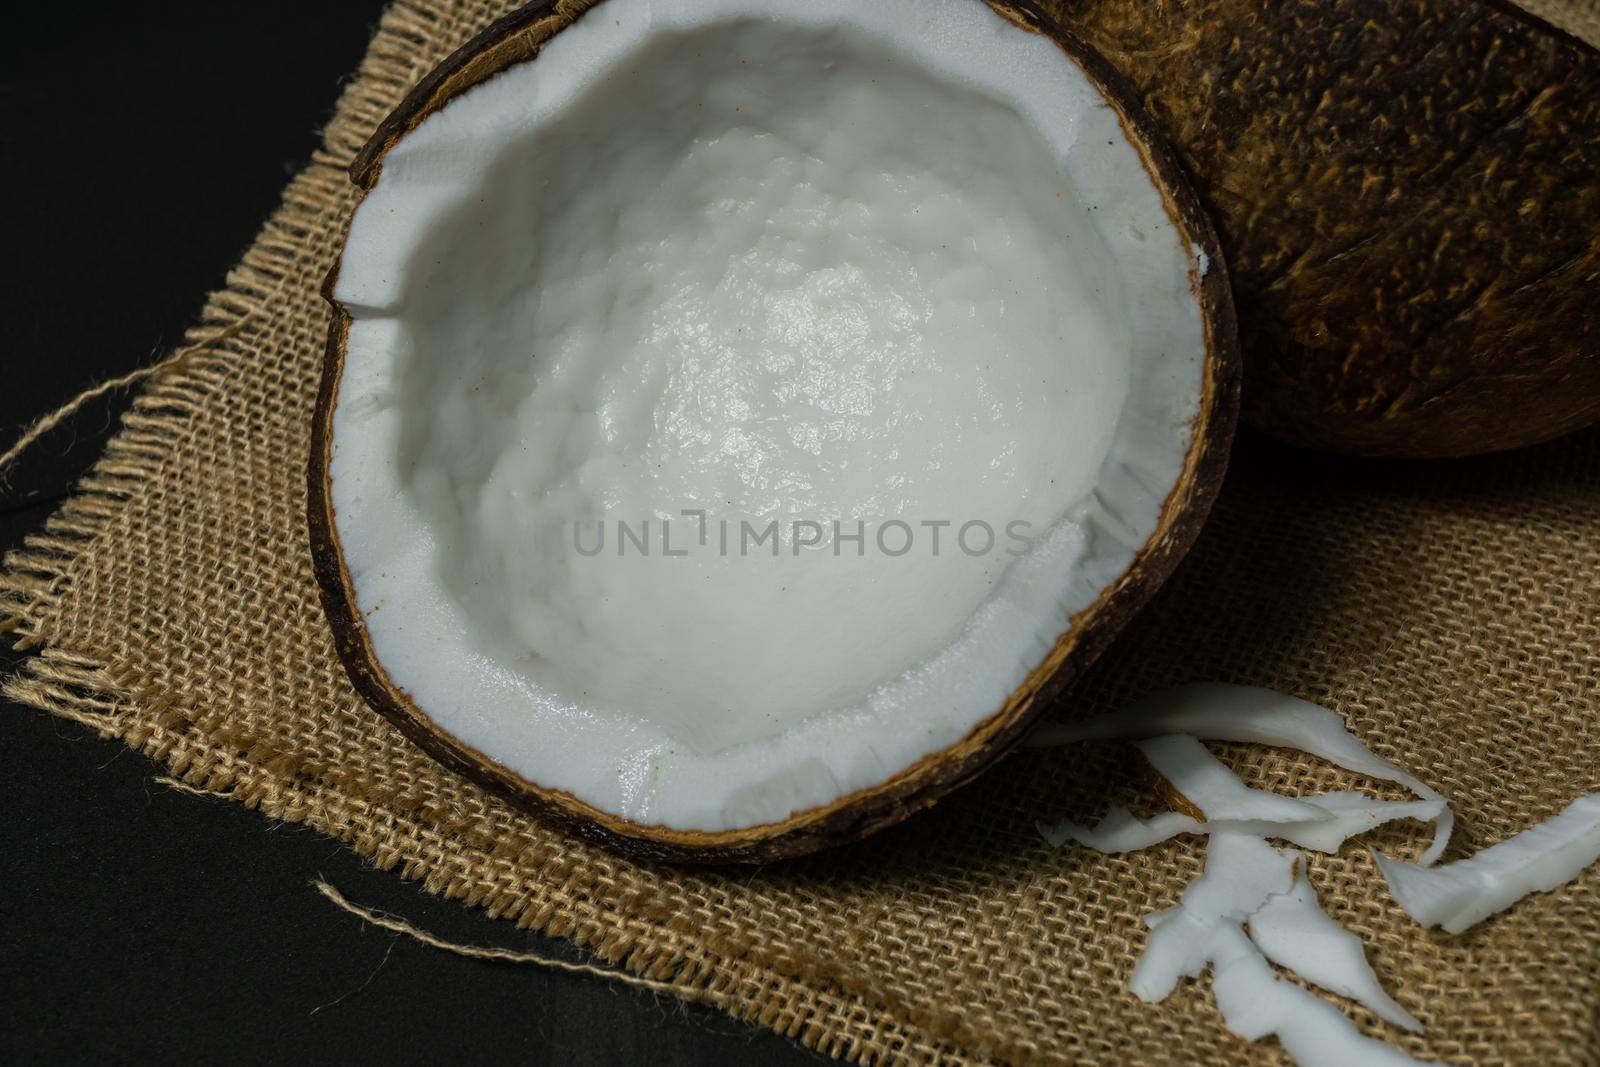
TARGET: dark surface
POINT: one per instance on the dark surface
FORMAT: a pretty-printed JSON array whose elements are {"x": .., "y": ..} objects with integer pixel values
[{"x": 142, "y": 153}]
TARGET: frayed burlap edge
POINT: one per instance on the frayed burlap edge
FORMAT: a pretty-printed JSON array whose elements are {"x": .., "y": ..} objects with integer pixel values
[
  {"x": 79, "y": 687},
  {"x": 829, "y": 1021}
]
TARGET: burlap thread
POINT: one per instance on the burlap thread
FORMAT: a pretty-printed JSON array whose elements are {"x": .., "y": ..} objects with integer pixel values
[{"x": 1450, "y": 611}]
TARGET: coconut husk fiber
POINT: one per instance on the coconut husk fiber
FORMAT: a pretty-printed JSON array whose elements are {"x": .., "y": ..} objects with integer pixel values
[{"x": 1450, "y": 611}]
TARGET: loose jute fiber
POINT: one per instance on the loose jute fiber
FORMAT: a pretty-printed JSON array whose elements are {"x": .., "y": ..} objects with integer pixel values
[{"x": 1450, "y": 611}]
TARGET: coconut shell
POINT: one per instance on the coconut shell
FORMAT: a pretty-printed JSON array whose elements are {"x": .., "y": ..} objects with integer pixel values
[
  {"x": 518, "y": 38},
  {"x": 1408, "y": 194}
]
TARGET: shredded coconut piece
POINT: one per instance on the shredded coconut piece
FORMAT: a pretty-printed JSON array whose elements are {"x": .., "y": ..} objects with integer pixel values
[
  {"x": 1248, "y": 883},
  {"x": 1242, "y": 871},
  {"x": 1457, "y": 895},
  {"x": 1214, "y": 711},
  {"x": 1122, "y": 831},
  {"x": 1208, "y": 784},
  {"x": 1255, "y": 1001},
  {"x": 1348, "y": 814},
  {"x": 1293, "y": 931},
  {"x": 1247, "y": 880}
]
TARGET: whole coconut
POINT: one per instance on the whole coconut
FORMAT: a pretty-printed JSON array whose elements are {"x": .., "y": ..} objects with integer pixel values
[{"x": 1407, "y": 195}]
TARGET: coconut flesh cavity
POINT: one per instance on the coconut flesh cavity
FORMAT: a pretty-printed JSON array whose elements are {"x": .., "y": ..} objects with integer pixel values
[
  {"x": 740, "y": 399},
  {"x": 1254, "y": 905}
]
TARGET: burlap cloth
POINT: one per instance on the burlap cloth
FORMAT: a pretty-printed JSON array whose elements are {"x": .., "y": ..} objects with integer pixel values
[
  {"x": 1450, "y": 611},
  {"x": 1581, "y": 18}
]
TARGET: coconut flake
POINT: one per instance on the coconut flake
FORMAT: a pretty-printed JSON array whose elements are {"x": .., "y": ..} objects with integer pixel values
[
  {"x": 1208, "y": 784},
  {"x": 1215, "y": 711},
  {"x": 1457, "y": 895},
  {"x": 1293, "y": 931},
  {"x": 1347, "y": 815},
  {"x": 1122, "y": 831},
  {"x": 1247, "y": 880},
  {"x": 1242, "y": 871},
  {"x": 1255, "y": 1002}
]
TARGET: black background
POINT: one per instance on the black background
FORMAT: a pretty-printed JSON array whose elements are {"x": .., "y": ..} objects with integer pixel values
[{"x": 139, "y": 153}]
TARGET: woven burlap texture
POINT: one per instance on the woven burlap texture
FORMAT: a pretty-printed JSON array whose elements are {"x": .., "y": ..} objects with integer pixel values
[
  {"x": 1581, "y": 18},
  {"x": 1451, "y": 612}
]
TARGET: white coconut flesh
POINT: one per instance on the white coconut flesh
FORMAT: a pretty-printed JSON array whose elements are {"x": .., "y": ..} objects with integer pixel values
[
  {"x": 1341, "y": 816},
  {"x": 1251, "y": 714},
  {"x": 1460, "y": 894},
  {"x": 1254, "y": 905},
  {"x": 887, "y": 263}
]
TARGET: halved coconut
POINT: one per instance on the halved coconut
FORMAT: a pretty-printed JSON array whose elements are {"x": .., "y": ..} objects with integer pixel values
[{"x": 741, "y": 416}]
